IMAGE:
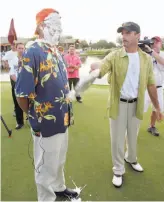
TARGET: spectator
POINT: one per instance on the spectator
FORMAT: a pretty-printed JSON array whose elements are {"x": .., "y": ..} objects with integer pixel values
[
  {"x": 73, "y": 64},
  {"x": 158, "y": 68},
  {"x": 9, "y": 56},
  {"x": 15, "y": 64}
]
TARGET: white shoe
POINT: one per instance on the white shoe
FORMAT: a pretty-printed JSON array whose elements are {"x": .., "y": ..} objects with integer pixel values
[
  {"x": 136, "y": 166},
  {"x": 117, "y": 181}
]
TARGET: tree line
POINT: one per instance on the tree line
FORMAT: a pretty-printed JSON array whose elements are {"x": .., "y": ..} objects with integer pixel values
[{"x": 101, "y": 44}]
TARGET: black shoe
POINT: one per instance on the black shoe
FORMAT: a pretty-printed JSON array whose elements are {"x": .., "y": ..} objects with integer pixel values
[
  {"x": 153, "y": 131},
  {"x": 69, "y": 193},
  {"x": 19, "y": 126},
  {"x": 79, "y": 101}
]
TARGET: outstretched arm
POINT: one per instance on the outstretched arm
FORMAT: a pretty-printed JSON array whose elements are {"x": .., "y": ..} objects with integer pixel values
[{"x": 105, "y": 66}]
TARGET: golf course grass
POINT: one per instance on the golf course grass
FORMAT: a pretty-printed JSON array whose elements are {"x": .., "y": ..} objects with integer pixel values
[{"x": 88, "y": 158}]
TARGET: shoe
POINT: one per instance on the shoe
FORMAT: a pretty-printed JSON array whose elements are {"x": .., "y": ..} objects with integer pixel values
[
  {"x": 79, "y": 101},
  {"x": 136, "y": 166},
  {"x": 117, "y": 180},
  {"x": 69, "y": 193},
  {"x": 153, "y": 131},
  {"x": 19, "y": 126}
]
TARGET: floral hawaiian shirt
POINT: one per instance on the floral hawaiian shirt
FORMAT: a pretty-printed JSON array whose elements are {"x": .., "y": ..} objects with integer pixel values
[{"x": 43, "y": 80}]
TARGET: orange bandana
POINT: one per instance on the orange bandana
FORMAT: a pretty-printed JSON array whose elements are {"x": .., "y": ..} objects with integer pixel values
[{"x": 43, "y": 14}]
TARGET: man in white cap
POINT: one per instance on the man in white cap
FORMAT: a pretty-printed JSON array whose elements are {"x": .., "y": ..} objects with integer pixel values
[{"x": 41, "y": 90}]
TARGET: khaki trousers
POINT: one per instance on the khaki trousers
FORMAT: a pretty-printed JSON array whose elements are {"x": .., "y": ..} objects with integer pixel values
[
  {"x": 49, "y": 160},
  {"x": 126, "y": 123}
]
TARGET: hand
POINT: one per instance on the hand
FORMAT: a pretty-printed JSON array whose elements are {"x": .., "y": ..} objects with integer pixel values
[
  {"x": 148, "y": 49},
  {"x": 71, "y": 70},
  {"x": 71, "y": 121},
  {"x": 159, "y": 115},
  {"x": 94, "y": 66},
  {"x": 71, "y": 66}
]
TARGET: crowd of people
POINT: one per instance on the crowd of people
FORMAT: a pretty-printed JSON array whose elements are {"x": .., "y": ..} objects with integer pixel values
[{"x": 42, "y": 77}]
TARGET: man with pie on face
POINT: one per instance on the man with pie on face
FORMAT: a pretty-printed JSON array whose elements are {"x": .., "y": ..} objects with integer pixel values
[{"x": 41, "y": 90}]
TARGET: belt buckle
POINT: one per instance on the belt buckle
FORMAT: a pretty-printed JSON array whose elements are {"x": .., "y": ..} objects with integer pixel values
[{"x": 130, "y": 101}]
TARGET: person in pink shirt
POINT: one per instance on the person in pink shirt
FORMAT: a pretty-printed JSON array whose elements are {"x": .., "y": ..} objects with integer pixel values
[{"x": 73, "y": 64}]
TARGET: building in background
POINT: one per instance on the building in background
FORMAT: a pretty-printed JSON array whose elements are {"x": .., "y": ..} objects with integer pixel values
[{"x": 5, "y": 45}]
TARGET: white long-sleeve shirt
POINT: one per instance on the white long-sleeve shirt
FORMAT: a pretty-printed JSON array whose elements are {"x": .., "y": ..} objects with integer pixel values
[
  {"x": 14, "y": 66},
  {"x": 9, "y": 56}
]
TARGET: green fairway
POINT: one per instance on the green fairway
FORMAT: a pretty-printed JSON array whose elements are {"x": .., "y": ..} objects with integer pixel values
[{"x": 88, "y": 158}]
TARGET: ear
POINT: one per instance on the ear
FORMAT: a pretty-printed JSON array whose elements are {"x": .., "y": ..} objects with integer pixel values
[{"x": 39, "y": 30}]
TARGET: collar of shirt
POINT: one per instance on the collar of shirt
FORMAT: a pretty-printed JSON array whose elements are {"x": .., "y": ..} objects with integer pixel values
[
  {"x": 46, "y": 42},
  {"x": 124, "y": 53},
  {"x": 52, "y": 49},
  {"x": 74, "y": 55}
]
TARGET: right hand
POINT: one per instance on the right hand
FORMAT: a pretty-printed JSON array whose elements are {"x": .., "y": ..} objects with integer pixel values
[
  {"x": 160, "y": 116},
  {"x": 94, "y": 66}
]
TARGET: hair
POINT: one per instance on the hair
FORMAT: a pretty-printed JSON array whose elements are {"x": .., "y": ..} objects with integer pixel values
[
  {"x": 19, "y": 44},
  {"x": 60, "y": 48},
  {"x": 156, "y": 40},
  {"x": 39, "y": 30}
]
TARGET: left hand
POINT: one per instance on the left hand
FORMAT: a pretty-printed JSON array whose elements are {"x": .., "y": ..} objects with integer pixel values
[
  {"x": 159, "y": 115},
  {"x": 71, "y": 121}
]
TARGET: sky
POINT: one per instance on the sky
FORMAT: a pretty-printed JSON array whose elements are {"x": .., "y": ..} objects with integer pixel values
[{"x": 86, "y": 19}]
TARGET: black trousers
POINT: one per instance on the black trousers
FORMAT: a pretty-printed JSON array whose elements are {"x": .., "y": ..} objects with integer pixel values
[
  {"x": 12, "y": 90},
  {"x": 74, "y": 81},
  {"x": 18, "y": 110}
]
